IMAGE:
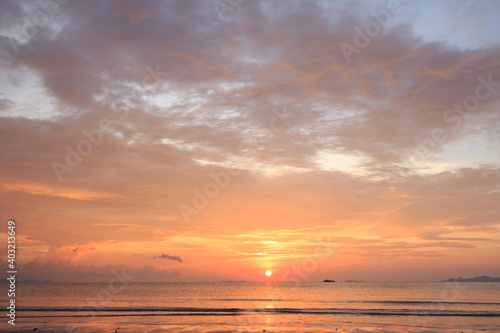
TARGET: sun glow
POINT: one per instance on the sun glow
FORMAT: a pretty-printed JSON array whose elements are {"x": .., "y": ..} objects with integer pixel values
[{"x": 268, "y": 273}]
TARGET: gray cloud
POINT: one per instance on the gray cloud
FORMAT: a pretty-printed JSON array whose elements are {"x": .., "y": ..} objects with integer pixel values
[{"x": 166, "y": 256}]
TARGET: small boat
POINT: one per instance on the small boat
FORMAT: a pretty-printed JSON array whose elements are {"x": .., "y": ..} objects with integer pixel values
[{"x": 328, "y": 280}]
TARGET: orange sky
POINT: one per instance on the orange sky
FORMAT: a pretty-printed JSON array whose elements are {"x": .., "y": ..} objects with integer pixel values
[{"x": 188, "y": 144}]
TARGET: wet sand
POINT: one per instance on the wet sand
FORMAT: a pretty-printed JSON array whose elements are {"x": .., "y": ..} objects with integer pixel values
[{"x": 229, "y": 324}]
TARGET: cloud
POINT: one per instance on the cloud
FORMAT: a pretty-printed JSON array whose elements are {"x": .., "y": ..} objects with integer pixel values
[
  {"x": 90, "y": 273},
  {"x": 184, "y": 90},
  {"x": 6, "y": 104},
  {"x": 166, "y": 256}
]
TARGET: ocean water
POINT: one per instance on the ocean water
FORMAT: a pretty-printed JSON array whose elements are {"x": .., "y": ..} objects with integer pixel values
[{"x": 255, "y": 307}]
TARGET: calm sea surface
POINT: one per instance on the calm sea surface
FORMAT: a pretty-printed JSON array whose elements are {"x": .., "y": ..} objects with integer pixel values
[{"x": 255, "y": 307}]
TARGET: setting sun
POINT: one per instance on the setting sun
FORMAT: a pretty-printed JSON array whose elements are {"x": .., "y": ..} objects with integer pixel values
[{"x": 268, "y": 273}]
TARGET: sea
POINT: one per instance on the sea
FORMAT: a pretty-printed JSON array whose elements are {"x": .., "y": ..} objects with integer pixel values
[{"x": 255, "y": 307}]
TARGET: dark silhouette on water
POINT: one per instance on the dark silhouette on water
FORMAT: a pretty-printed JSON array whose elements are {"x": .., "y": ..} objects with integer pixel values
[
  {"x": 328, "y": 280},
  {"x": 483, "y": 278}
]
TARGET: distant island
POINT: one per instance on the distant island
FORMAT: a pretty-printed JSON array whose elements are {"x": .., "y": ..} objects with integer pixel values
[
  {"x": 353, "y": 281},
  {"x": 30, "y": 280},
  {"x": 483, "y": 278},
  {"x": 231, "y": 281}
]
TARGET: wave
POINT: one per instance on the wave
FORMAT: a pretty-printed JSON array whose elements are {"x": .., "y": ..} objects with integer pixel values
[
  {"x": 423, "y": 302},
  {"x": 357, "y": 302},
  {"x": 178, "y": 311}
]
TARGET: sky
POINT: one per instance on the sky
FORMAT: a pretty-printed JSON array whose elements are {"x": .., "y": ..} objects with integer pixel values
[{"x": 217, "y": 140}]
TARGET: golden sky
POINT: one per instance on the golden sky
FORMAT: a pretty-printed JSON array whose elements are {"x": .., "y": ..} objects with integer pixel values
[{"x": 216, "y": 140}]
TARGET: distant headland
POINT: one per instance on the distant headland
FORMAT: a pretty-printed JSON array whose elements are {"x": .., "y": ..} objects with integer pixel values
[
  {"x": 483, "y": 278},
  {"x": 231, "y": 281},
  {"x": 30, "y": 280}
]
